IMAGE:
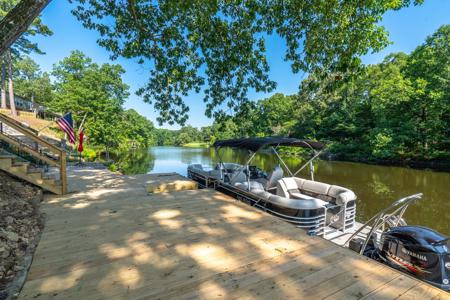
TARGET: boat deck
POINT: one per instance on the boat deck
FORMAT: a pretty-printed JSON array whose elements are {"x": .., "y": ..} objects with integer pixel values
[{"x": 109, "y": 239}]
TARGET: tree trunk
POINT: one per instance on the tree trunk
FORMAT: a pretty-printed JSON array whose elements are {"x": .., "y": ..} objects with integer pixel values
[
  {"x": 16, "y": 22},
  {"x": 12, "y": 103},
  {"x": 33, "y": 105},
  {"x": 107, "y": 153},
  {"x": 3, "y": 82}
]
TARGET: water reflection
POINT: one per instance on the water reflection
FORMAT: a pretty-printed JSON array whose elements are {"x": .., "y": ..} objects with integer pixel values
[
  {"x": 376, "y": 186},
  {"x": 136, "y": 162}
]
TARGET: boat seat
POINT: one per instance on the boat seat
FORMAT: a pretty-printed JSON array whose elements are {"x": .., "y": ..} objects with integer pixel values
[
  {"x": 287, "y": 186},
  {"x": 254, "y": 186},
  {"x": 238, "y": 177},
  {"x": 311, "y": 203},
  {"x": 315, "y": 188},
  {"x": 298, "y": 188},
  {"x": 301, "y": 196},
  {"x": 273, "y": 178},
  {"x": 341, "y": 194}
]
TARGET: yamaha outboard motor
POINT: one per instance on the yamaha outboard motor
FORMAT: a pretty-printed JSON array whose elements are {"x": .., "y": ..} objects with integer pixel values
[{"x": 419, "y": 251}]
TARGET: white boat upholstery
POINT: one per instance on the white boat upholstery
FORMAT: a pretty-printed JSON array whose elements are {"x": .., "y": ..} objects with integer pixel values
[
  {"x": 311, "y": 203},
  {"x": 341, "y": 194},
  {"x": 304, "y": 204},
  {"x": 292, "y": 187},
  {"x": 315, "y": 187},
  {"x": 254, "y": 185},
  {"x": 288, "y": 185},
  {"x": 274, "y": 177},
  {"x": 238, "y": 177}
]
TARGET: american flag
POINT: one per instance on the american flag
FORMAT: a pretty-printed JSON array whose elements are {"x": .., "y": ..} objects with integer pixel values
[{"x": 66, "y": 125}]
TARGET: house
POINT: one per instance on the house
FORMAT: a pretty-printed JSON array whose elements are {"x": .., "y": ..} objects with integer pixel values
[{"x": 25, "y": 105}]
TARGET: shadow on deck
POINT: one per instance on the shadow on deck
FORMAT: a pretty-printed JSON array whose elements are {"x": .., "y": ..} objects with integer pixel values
[{"x": 110, "y": 240}]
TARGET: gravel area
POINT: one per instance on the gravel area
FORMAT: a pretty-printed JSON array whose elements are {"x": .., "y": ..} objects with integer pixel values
[{"x": 21, "y": 224}]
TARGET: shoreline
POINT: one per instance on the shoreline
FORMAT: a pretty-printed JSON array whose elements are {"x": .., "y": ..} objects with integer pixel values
[{"x": 437, "y": 166}]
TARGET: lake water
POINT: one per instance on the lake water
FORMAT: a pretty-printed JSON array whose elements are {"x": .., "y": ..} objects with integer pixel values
[{"x": 375, "y": 186}]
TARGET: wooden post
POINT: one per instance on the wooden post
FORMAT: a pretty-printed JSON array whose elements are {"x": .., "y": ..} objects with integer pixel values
[{"x": 63, "y": 172}]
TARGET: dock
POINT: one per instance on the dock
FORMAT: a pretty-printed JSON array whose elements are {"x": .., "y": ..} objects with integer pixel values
[{"x": 110, "y": 239}]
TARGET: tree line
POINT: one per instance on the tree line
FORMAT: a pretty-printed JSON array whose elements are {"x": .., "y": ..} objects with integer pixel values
[
  {"x": 398, "y": 109},
  {"x": 91, "y": 92}
]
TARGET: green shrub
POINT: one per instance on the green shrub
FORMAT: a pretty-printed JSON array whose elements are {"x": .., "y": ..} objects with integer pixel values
[
  {"x": 112, "y": 168},
  {"x": 89, "y": 154}
]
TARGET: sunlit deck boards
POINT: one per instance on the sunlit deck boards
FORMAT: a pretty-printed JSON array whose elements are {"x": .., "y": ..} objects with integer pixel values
[{"x": 113, "y": 241}]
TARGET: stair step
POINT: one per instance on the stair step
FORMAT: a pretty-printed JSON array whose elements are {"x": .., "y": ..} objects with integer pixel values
[
  {"x": 46, "y": 176},
  {"x": 49, "y": 181},
  {"x": 34, "y": 170},
  {"x": 6, "y": 156},
  {"x": 35, "y": 175},
  {"x": 19, "y": 168},
  {"x": 16, "y": 134},
  {"x": 20, "y": 163}
]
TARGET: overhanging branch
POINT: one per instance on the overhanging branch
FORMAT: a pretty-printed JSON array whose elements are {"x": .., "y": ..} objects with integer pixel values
[{"x": 17, "y": 21}]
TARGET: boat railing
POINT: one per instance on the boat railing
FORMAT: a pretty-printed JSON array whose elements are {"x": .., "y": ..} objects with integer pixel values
[{"x": 391, "y": 215}]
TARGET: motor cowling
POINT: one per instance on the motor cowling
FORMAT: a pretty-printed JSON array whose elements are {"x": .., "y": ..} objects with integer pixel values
[{"x": 419, "y": 251}]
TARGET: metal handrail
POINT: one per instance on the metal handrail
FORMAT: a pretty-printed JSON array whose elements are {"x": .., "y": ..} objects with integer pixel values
[{"x": 397, "y": 208}]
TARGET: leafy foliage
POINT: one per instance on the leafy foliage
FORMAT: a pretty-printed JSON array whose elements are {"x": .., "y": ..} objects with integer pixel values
[
  {"x": 30, "y": 82},
  {"x": 398, "y": 109},
  {"x": 98, "y": 92},
  {"x": 24, "y": 45},
  {"x": 221, "y": 44}
]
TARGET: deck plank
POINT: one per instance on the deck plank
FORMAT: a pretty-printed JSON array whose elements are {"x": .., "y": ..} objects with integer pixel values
[{"x": 111, "y": 240}]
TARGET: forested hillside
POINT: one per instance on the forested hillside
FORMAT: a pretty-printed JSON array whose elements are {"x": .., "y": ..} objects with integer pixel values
[{"x": 396, "y": 110}]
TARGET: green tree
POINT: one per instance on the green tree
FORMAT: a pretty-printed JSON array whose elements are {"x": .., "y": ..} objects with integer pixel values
[
  {"x": 137, "y": 129},
  {"x": 22, "y": 45},
  {"x": 187, "y": 134},
  {"x": 428, "y": 69},
  {"x": 277, "y": 114},
  {"x": 221, "y": 44},
  {"x": 390, "y": 93},
  {"x": 31, "y": 83},
  {"x": 83, "y": 87}
]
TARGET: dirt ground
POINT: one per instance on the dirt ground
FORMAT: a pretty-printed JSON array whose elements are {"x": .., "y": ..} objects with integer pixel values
[{"x": 20, "y": 226}]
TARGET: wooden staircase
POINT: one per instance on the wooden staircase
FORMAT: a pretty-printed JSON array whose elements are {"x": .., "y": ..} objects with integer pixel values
[
  {"x": 25, "y": 140},
  {"x": 25, "y": 171}
]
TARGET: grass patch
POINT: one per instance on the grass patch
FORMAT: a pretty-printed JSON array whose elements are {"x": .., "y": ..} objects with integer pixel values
[{"x": 196, "y": 145}]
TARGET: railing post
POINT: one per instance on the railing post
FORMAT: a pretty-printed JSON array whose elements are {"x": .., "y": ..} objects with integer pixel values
[{"x": 62, "y": 172}]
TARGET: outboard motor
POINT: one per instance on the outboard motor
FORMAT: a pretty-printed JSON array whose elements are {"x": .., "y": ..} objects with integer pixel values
[{"x": 419, "y": 251}]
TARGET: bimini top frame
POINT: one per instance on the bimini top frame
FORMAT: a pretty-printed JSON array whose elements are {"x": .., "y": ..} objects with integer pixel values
[{"x": 253, "y": 145}]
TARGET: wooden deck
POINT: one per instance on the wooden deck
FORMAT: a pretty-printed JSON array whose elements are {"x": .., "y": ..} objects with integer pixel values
[{"x": 111, "y": 240}]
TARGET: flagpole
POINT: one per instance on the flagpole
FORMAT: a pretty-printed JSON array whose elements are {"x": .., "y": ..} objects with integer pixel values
[
  {"x": 82, "y": 123},
  {"x": 80, "y": 128},
  {"x": 46, "y": 126}
]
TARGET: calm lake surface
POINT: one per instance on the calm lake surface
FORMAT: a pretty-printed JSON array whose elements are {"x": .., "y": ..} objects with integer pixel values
[{"x": 375, "y": 186}]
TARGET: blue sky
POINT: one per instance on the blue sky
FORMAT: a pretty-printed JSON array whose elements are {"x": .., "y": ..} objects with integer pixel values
[{"x": 407, "y": 27}]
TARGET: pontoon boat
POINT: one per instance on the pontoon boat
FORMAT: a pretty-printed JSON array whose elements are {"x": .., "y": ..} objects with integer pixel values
[
  {"x": 329, "y": 210},
  {"x": 315, "y": 206}
]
